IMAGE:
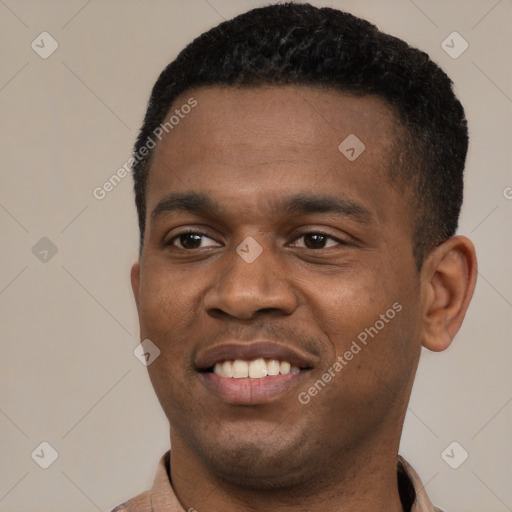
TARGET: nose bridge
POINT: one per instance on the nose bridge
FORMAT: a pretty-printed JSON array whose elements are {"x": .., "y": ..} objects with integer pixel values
[{"x": 250, "y": 281}]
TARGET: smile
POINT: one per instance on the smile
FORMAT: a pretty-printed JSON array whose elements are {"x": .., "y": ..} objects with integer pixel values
[
  {"x": 256, "y": 369},
  {"x": 252, "y": 372}
]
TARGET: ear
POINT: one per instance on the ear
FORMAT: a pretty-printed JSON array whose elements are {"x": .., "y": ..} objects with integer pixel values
[
  {"x": 135, "y": 279},
  {"x": 448, "y": 281}
]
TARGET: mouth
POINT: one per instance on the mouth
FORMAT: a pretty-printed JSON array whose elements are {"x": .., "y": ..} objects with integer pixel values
[
  {"x": 255, "y": 373},
  {"x": 255, "y": 369}
]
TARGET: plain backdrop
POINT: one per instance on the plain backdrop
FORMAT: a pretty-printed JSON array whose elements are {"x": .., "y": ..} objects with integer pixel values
[{"x": 68, "y": 322}]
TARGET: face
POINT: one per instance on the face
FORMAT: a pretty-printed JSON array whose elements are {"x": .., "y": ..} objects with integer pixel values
[{"x": 271, "y": 251}]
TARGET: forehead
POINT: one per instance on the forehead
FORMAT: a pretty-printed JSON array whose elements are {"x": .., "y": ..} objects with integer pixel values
[
  {"x": 245, "y": 142},
  {"x": 274, "y": 117}
]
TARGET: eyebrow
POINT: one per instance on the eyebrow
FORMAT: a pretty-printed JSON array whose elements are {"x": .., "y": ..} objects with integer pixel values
[
  {"x": 191, "y": 202},
  {"x": 202, "y": 205},
  {"x": 311, "y": 203}
]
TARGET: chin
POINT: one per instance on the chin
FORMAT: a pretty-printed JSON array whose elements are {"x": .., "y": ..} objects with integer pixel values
[
  {"x": 267, "y": 458},
  {"x": 253, "y": 467}
]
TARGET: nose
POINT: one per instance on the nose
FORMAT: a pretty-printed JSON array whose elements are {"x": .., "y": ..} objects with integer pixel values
[{"x": 245, "y": 289}]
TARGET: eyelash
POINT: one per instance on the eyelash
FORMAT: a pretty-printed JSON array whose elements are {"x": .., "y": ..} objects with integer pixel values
[
  {"x": 338, "y": 241},
  {"x": 171, "y": 241},
  {"x": 182, "y": 233}
]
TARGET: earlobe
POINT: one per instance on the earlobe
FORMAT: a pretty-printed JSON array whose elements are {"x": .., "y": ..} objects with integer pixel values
[
  {"x": 135, "y": 280},
  {"x": 448, "y": 282}
]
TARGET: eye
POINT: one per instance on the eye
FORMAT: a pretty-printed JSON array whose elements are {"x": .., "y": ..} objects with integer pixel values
[
  {"x": 317, "y": 241},
  {"x": 192, "y": 240}
]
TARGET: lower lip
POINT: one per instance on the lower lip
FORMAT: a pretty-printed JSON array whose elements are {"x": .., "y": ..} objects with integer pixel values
[{"x": 251, "y": 391}]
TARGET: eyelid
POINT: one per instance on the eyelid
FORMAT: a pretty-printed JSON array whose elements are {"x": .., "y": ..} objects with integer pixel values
[
  {"x": 186, "y": 231},
  {"x": 337, "y": 239}
]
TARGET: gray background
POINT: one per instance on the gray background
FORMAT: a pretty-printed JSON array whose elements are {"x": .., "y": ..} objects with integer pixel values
[{"x": 68, "y": 322}]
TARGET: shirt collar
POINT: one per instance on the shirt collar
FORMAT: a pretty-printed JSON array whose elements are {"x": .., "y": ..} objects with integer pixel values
[{"x": 422, "y": 502}]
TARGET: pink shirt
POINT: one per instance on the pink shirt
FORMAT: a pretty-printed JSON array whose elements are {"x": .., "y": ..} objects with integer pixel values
[{"x": 161, "y": 497}]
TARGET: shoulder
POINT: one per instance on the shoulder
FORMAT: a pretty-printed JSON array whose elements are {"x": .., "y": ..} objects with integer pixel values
[{"x": 140, "y": 503}]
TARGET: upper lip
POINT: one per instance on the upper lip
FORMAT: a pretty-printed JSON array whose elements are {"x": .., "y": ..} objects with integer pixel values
[{"x": 248, "y": 351}]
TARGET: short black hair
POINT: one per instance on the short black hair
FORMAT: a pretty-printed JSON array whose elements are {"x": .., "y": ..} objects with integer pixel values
[{"x": 299, "y": 44}]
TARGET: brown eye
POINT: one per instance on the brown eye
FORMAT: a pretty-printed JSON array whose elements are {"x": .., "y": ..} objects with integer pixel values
[
  {"x": 191, "y": 240},
  {"x": 317, "y": 241}
]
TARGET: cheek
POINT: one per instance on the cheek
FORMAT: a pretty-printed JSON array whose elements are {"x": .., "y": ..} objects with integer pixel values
[
  {"x": 167, "y": 314},
  {"x": 164, "y": 299},
  {"x": 372, "y": 361},
  {"x": 168, "y": 308},
  {"x": 345, "y": 305},
  {"x": 370, "y": 323}
]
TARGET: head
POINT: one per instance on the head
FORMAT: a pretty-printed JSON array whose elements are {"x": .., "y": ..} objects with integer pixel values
[{"x": 301, "y": 207}]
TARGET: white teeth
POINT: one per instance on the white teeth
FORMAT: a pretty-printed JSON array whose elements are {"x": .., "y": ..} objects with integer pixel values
[
  {"x": 218, "y": 369},
  {"x": 255, "y": 369},
  {"x": 273, "y": 367},
  {"x": 227, "y": 369},
  {"x": 284, "y": 368},
  {"x": 240, "y": 369}
]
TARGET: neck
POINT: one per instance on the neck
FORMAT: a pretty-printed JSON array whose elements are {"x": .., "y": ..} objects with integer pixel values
[{"x": 362, "y": 479}]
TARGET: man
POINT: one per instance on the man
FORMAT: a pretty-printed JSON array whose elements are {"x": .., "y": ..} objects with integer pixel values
[{"x": 298, "y": 182}]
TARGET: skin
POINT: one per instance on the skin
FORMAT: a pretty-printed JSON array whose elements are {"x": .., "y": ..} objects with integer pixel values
[{"x": 246, "y": 149}]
